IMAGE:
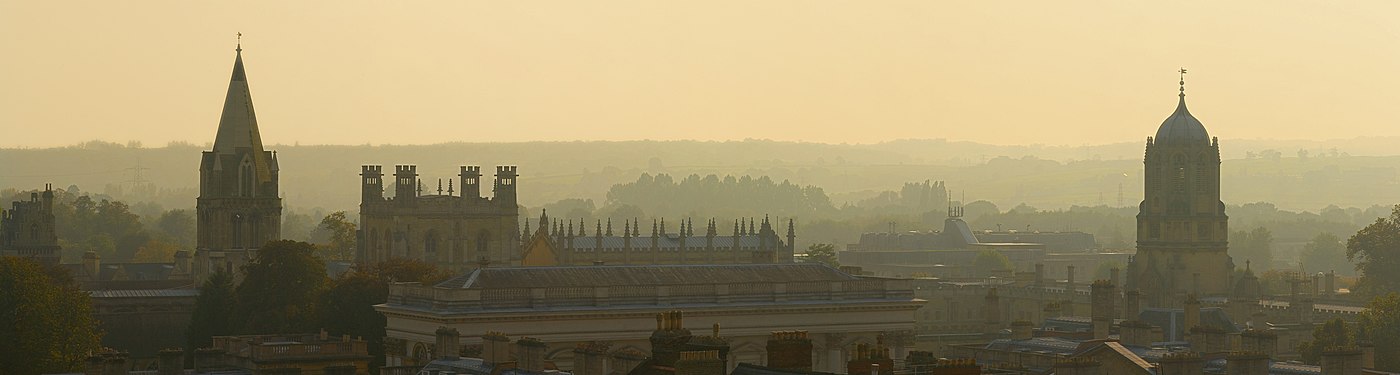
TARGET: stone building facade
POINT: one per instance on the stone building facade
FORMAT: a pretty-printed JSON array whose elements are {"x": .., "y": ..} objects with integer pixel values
[
  {"x": 568, "y": 306},
  {"x": 27, "y": 229},
  {"x": 1182, "y": 227},
  {"x": 239, "y": 207},
  {"x": 451, "y": 230}
]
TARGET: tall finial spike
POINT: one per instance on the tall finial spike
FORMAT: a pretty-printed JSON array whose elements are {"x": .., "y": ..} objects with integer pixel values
[{"x": 240, "y": 43}]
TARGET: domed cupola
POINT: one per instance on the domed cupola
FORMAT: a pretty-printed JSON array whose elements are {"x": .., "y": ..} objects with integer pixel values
[{"x": 1181, "y": 128}]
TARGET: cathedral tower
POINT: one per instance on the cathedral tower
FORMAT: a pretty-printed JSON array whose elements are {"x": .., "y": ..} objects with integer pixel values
[
  {"x": 1182, "y": 227},
  {"x": 238, "y": 206}
]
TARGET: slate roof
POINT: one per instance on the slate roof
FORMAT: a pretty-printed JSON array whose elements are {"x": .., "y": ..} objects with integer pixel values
[
  {"x": 1181, "y": 128},
  {"x": 641, "y": 275},
  {"x": 1049, "y": 345},
  {"x": 752, "y": 369},
  {"x": 141, "y": 293},
  {"x": 476, "y": 366}
]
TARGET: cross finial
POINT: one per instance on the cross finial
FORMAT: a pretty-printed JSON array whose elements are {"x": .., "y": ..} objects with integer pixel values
[
  {"x": 240, "y": 42},
  {"x": 1182, "y": 82}
]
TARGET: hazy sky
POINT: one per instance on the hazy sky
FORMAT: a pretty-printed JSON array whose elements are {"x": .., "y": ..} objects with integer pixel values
[{"x": 1003, "y": 72}]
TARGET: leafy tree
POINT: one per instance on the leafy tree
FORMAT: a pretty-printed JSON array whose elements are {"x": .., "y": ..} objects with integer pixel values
[
  {"x": 340, "y": 235},
  {"x": 975, "y": 210},
  {"x": 48, "y": 325},
  {"x": 1376, "y": 251},
  {"x": 179, "y": 226},
  {"x": 347, "y": 307},
  {"x": 1381, "y": 323},
  {"x": 1326, "y": 252},
  {"x": 211, "y": 310},
  {"x": 280, "y": 288},
  {"x": 1254, "y": 246},
  {"x": 1333, "y": 333},
  {"x": 823, "y": 253},
  {"x": 156, "y": 250},
  {"x": 988, "y": 261}
]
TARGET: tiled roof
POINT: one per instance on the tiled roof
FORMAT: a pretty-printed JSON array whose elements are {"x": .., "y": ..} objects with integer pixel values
[
  {"x": 139, "y": 293},
  {"x": 595, "y": 276}
]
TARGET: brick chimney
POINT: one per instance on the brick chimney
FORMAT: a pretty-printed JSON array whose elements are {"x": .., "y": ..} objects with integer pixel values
[
  {"x": 623, "y": 361},
  {"x": 449, "y": 343},
  {"x": 495, "y": 348},
  {"x": 700, "y": 363},
  {"x": 529, "y": 353},
  {"x": 1021, "y": 330},
  {"x": 1247, "y": 363},
  {"x": 870, "y": 360},
  {"x": 1101, "y": 296},
  {"x": 591, "y": 358},
  {"x": 1181, "y": 363},
  {"x": 790, "y": 350}
]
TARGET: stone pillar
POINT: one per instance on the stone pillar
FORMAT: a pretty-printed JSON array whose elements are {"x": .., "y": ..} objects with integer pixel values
[
  {"x": 1342, "y": 361},
  {"x": 495, "y": 348},
  {"x": 530, "y": 354},
  {"x": 591, "y": 358}
]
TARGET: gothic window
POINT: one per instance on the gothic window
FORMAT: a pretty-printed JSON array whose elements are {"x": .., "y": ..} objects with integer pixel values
[
  {"x": 1203, "y": 231},
  {"x": 245, "y": 179},
  {"x": 237, "y": 231},
  {"x": 430, "y": 246},
  {"x": 254, "y": 232},
  {"x": 481, "y": 241},
  {"x": 1156, "y": 231}
]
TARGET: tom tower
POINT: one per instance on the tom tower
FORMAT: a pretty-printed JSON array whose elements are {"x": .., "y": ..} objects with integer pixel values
[
  {"x": 1182, "y": 227},
  {"x": 239, "y": 208}
]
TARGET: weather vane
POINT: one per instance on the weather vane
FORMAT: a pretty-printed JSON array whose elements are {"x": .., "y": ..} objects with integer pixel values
[
  {"x": 1183, "y": 81},
  {"x": 240, "y": 42}
]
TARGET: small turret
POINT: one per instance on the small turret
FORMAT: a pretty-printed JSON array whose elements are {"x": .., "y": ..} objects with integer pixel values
[
  {"x": 405, "y": 184},
  {"x": 471, "y": 180},
  {"x": 505, "y": 185}
]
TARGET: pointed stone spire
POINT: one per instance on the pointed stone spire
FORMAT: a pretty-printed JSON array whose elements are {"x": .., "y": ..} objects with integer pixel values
[
  {"x": 544, "y": 218},
  {"x": 571, "y": 228},
  {"x": 238, "y": 125},
  {"x": 599, "y": 231},
  {"x": 751, "y": 230},
  {"x": 653, "y": 228},
  {"x": 525, "y": 234},
  {"x": 626, "y": 228},
  {"x": 609, "y": 234},
  {"x": 636, "y": 228},
  {"x": 582, "y": 228},
  {"x": 736, "y": 228}
]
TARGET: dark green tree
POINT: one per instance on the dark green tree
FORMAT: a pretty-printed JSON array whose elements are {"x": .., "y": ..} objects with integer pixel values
[
  {"x": 347, "y": 307},
  {"x": 211, "y": 311},
  {"x": 280, "y": 289},
  {"x": 1381, "y": 322},
  {"x": 1333, "y": 333},
  {"x": 1326, "y": 252},
  {"x": 823, "y": 253},
  {"x": 178, "y": 226},
  {"x": 48, "y": 325},
  {"x": 1375, "y": 250}
]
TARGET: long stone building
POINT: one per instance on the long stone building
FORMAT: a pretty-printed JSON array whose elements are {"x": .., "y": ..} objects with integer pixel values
[
  {"x": 452, "y": 230},
  {"x": 567, "y": 306},
  {"x": 556, "y": 243}
]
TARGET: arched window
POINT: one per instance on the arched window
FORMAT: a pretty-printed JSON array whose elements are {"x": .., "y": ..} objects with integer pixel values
[
  {"x": 237, "y": 231},
  {"x": 1179, "y": 173},
  {"x": 482, "y": 240},
  {"x": 245, "y": 179},
  {"x": 430, "y": 246},
  {"x": 34, "y": 232}
]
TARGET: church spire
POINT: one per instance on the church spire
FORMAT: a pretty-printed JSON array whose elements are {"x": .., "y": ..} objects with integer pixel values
[{"x": 238, "y": 125}]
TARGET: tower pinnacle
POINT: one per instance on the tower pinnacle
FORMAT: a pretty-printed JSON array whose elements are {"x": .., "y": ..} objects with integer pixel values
[
  {"x": 240, "y": 43},
  {"x": 1182, "y": 82}
]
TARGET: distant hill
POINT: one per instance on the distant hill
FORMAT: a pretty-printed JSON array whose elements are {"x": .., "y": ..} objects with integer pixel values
[{"x": 1355, "y": 172}]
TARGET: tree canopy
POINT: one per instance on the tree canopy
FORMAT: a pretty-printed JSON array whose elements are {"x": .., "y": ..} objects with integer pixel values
[
  {"x": 347, "y": 307},
  {"x": 1381, "y": 322},
  {"x": 823, "y": 253},
  {"x": 212, "y": 310},
  {"x": 1254, "y": 246},
  {"x": 280, "y": 288},
  {"x": 336, "y": 237},
  {"x": 989, "y": 261},
  {"x": 48, "y": 323},
  {"x": 1334, "y": 333},
  {"x": 1326, "y": 252},
  {"x": 1376, "y": 251}
]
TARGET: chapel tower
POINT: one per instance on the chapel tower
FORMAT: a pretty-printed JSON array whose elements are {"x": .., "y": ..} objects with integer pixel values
[
  {"x": 1182, "y": 227},
  {"x": 239, "y": 208}
]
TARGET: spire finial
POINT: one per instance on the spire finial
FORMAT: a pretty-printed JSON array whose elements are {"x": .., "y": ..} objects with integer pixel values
[
  {"x": 1182, "y": 82},
  {"x": 240, "y": 43}
]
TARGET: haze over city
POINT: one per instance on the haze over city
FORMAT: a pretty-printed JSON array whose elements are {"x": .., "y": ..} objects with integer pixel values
[{"x": 356, "y": 72}]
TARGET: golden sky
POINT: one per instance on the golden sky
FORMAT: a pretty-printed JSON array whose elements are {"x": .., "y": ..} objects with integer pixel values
[{"x": 1002, "y": 72}]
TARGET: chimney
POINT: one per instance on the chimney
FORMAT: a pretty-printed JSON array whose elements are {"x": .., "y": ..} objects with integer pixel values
[
  {"x": 171, "y": 362},
  {"x": 1101, "y": 308},
  {"x": 1021, "y": 330},
  {"x": 700, "y": 363},
  {"x": 1052, "y": 310},
  {"x": 1341, "y": 361},
  {"x": 623, "y": 361},
  {"x": 92, "y": 264},
  {"x": 991, "y": 307},
  {"x": 530, "y": 354},
  {"x": 449, "y": 343},
  {"x": 1132, "y": 304},
  {"x": 790, "y": 350},
  {"x": 1137, "y": 333},
  {"x": 591, "y": 358},
  {"x": 1069, "y": 280},
  {"x": 870, "y": 360},
  {"x": 1192, "y": 313},
  {"x": 206, "y": 359},
  {"x": 1247, "y": 363},
  {"x": 495, "y": 348},
  {"x": 1181, "y": 363}
]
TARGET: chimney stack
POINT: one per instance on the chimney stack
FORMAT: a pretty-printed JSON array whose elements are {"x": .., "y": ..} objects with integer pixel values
[
  {"x": 590, "y": 358},
  {"x": 790, "y": 350},
  {"x": 530, "y": 354},
  {"x": 449, "y": 343},
  {"x": 1181, "y": 363},
  {"x": 495, "y": 348},
  {"x": 1101, "y": 296}
]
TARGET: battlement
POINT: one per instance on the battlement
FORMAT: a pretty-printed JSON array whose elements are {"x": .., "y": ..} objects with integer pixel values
[
  {"x": 505, "y": 169},
  {"x": 371, "y": 170},
  {"x": 470, "y": 170},
  {"x": 406, "y": 169}
]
